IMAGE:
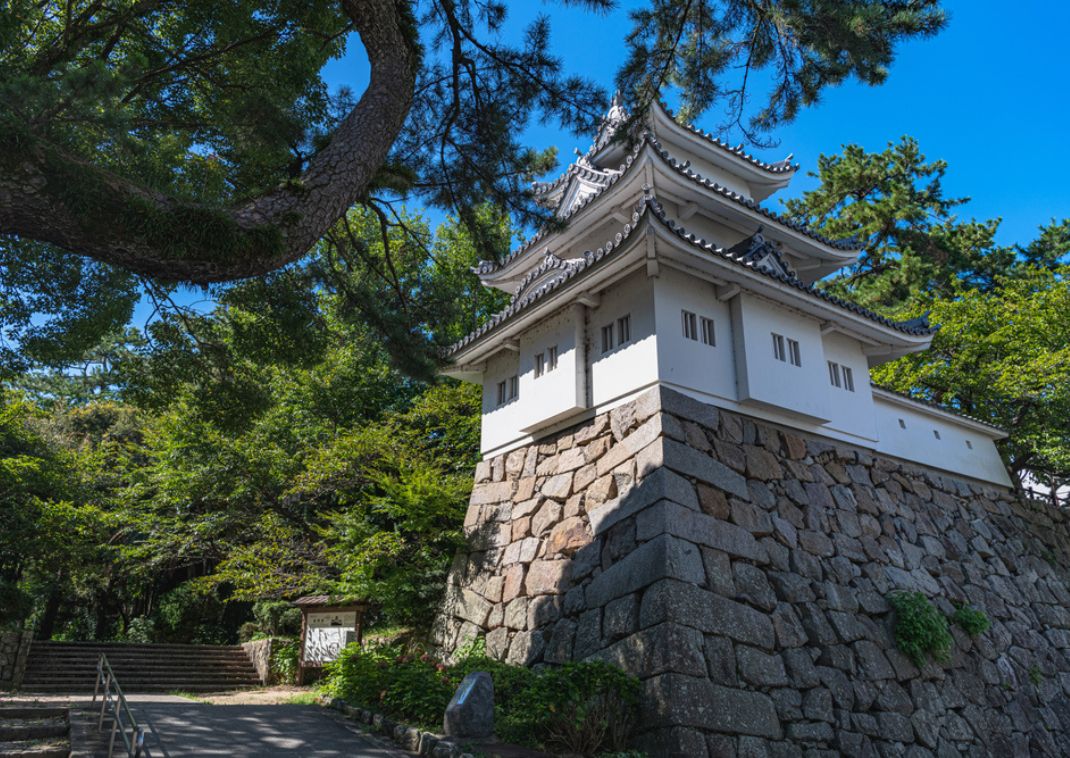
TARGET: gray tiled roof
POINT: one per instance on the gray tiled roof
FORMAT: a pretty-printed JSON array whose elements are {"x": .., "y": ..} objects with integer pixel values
[
  {"x": 649, "y": 205},
  {"x": 779, "y": 167},
  {"x": 682, "y": 168}
]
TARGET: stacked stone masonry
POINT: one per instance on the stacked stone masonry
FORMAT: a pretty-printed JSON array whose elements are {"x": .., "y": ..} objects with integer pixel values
[
  {"x": 14, "y": 651},
  {"x": 742, "y": 570}
]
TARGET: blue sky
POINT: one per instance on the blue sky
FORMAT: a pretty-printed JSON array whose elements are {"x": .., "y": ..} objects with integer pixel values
[{"x": 989, "y": 95}]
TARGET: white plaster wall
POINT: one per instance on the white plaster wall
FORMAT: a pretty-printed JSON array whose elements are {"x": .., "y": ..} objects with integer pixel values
[
  {"x": 918, "y": 443},
  {"x": 635, "y": 365},
  {"x": 761, "y": 378},
  {"x": 557, "y": 392},
  {"x": 500, "y": 424},
  {"x": 850, "y": 412},
  {"x": 690, "y": 363}
]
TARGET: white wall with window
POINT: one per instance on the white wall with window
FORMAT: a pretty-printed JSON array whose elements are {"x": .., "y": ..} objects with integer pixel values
[
  {"x": 846, "y": 367},
  {"x": 550, "y": 379},
  {"x": 623, "y": 352},
  {"x": 694, "y": 336},
  {"x": 501, "y": 411},
  {"x": 781, "y": 358}
]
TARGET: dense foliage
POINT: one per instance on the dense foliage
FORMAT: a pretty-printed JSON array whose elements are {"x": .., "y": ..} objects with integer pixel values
[
  {"x": 575, "y": 709},
  {"x": 262, "y": 449},
  {"x": 199, "y": 141}
]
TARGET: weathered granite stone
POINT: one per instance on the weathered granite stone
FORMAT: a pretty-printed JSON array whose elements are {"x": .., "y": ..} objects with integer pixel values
[
  {"x": 661, "y": 557},
  {"x": 470, "y": 712},
  {"x": 742, "y": 572}
]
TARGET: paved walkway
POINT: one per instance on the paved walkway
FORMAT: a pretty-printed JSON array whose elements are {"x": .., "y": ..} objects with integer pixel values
[
  {"x": 264, "y": 731},
  {"x": 183, "y": 727}
]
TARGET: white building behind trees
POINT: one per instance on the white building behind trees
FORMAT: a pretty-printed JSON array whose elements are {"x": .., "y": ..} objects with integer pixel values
[{"x": 668, "y": 269}]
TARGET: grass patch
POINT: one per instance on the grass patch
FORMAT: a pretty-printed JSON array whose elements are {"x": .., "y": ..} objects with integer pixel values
[{"x": 304, "y": 698}]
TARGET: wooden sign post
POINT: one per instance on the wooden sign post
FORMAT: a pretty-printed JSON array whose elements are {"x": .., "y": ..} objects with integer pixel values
[{"x": 326, "y": 628}]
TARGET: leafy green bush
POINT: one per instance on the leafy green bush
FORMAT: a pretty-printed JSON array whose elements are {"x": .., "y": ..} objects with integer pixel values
[
  {"x": 284, "y": 660},
  {"x": 141, "y": 629},
  {"x": 277, "y": 618},
  {"x": 578, "y": 708},
  {"x": 972, "y": 621},
  {"x": 920, "y": 629}
]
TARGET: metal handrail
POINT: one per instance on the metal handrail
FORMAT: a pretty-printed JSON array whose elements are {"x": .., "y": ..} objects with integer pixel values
[{"x": 113, "y": 702}]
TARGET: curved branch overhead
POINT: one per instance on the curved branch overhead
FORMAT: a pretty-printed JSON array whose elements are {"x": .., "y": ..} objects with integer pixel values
[{"x": 50, "y": 195}]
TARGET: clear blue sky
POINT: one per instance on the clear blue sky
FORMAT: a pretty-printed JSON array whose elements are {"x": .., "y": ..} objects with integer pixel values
[{"x": 989, "y": 95}]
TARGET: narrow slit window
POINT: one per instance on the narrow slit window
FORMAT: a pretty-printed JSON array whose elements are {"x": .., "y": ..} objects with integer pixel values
[
  {"x": 969, "y": 444},
  {"x": 624, "y": 329},
  {"x": 834, "y": 373},
  {"x": 514, "y": 387},
  {"x": 936, "y": 433},
  {"x": 709, "y": 337},
  {"x": 607, "y": 338},
  {"x": 778, "y": 348},
  {"x": 902, "y": 424},
  {"x": 794, "y": 352},
  {"x": 501, "y": 392},
  {"x": 540, "y": 365},
  {"x": 551, "y": 358},
  {"x": 690, "y": 325},
  {"x": 848, "y": 379}
]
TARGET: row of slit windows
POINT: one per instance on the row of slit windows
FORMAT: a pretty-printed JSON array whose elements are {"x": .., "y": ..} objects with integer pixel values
[
  {"x": 786, "y": 350},
  {"x": 623, "y": 333},
  {"x": 841, "y": 376},
  {"x": 508, "y": 389},
  {"x": 546, "y": 361},
  {"x": 699, "y": 327}
]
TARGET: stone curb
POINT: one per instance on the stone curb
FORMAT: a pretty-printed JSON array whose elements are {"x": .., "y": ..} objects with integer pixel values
[{"x": 406, "y": 737}]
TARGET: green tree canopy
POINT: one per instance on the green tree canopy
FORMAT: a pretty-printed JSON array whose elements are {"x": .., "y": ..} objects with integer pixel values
[{"x": 198, "y": 142}]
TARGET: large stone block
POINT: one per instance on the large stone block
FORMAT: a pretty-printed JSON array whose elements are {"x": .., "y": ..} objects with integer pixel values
[
  {"x": 684, "y": 603},
  {"x": 686, "y": 460},
  {"x": 661, "y": 557},
  {"x": 657, "y": 650},
  {"x": 667, "y": 517},
  {"x": 660, "y": 485},
  {"x": 678, "y": 700}
]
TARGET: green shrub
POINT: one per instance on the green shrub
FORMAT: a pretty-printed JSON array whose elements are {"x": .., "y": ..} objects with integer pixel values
[
  {"x": 920, "y": 629},
  {"x": 284, "y": 660},
  {"x": 141, "y": 629},
  {"x": 277, "y": 618},
  {"x": 972, "y": 621},
  {"x": 578, "y": 708}
]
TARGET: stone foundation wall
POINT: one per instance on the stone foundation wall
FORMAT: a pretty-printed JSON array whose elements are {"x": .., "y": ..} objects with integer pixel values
[
  {"x": 742, "y": 570},
  {"x": 259, "y": 652},
  {"x": 14, "y": 651}
]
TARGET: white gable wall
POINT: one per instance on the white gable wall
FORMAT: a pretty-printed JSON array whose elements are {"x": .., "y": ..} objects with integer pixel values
[
  {"x": 850, "y": 412},
  {"x": 559, "y": 391},
  {"x": 763, "y": 379},
  {"x": 690, "y": 363},
  {"x": 634, "y": 365},
  {"x": 914, "y": 440}
]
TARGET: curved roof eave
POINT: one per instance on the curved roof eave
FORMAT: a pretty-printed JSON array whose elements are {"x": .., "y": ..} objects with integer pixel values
[
  {"x": 905, "y": 334},
  {"x": 757, "y": 170},
  {"x": 834, "y": 250}
]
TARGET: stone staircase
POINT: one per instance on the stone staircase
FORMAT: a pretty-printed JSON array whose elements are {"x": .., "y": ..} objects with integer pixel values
[
  {"x": 71, "y": 667},
  {"x": 34, "y": 731}
]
